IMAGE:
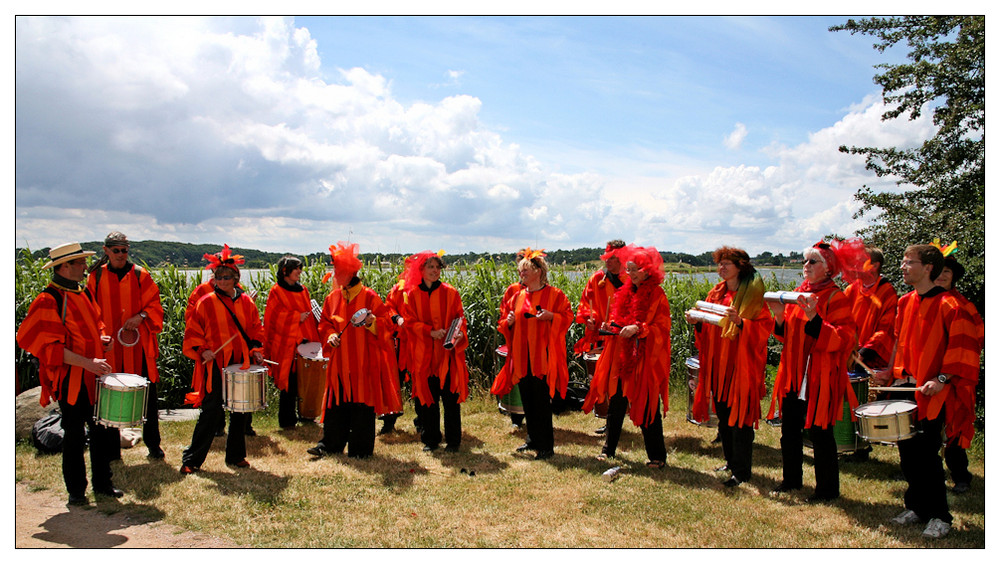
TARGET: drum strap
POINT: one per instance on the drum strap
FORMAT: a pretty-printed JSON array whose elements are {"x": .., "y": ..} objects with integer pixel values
[{"x": 237, "y": 322}]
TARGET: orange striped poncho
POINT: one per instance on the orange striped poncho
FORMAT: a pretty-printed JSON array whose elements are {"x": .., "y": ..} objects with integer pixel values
[
  {"x": 533, "y": 345},
  {"x": 935, "y": 335},
  {"x": 874, "y": 313},
  {"x": 823, "y": 359},
  {"x": 209, "y": 326},
  {"x": 648, "y": 381},
  {"x": 46, "y": 332},
  {"x": 594, "y": 302},
  {"x": 426, "y": 312},
  {"x": 283, "y": 331},
  {"x": 120, "y": 299},
  {"x": 732, "y": 368},
  {"x": 363, "y": 368}
]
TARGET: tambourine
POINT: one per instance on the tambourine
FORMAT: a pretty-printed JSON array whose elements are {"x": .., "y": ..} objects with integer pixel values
[
  {"x": 130, "y": 331},
  {"x": 358, "y": 319}
]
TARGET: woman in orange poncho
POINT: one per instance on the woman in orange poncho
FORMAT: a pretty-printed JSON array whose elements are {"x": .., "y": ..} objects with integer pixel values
[
  {"x": 362, "y": 376},
  {"x": 732, "y": 358},
  {"x": 438, "y": 375},
  {"x": 818, "y": 334},
  {"x": 288, "y": 322},
  {"x": 634, "y": 369},
  {"x": 534, "y": 320}
]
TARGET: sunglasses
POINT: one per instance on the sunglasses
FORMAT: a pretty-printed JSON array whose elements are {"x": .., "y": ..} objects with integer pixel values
[
  {"x": 119, "y": 251},
  {"x": 226, "y": 277}
]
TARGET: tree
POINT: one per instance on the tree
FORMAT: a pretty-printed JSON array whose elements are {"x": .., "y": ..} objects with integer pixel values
[{"x": 944, "y": 179}]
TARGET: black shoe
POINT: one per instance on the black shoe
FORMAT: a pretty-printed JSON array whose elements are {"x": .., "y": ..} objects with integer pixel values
[
  {"x": 961, "y": 487},
  {"x": 317, "y": 451},
  {"x": 78, "y": 499},
  {"x": 544, "y": 454},
  {"x": 784, "y": 488},
  {"x": 430, "y": 448},
  {"x": 109, "y": 491},
  {"x": 722, "y": 468},
  {"x": 601, "y": 430},
  {"x": 250, "y": 432},
  {"x": 157, "y": 454},
  {"x": 450, "y": 448},
  {"x": 822, "y": 498},
  {"x": 732, "y": 482},
  {"x": 386, "y": 429},
  {"x": 524, "y": 448}
]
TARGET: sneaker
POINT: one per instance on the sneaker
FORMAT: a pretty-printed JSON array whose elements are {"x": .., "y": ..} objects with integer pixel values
[
  {"x": 936, "y": 529},
  {"x": 317, "y": 451},
  {"x": 907, "y": 517}
]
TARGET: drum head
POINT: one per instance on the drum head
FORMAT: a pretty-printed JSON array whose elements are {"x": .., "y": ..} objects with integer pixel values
[
  {"x": 592, "y": 356},
  {"x": 502, "y": 350},
  {"x": 123, "y": 380},
  {"x": 235, "y": 369},
  {"x": 693, "y": 363},
  {"x": 885, "y": 407},
  {"x": 311, "y": 350}
]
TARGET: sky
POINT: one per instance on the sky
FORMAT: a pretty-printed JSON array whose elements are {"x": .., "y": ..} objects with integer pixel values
[{"x": 458, "y": 133}]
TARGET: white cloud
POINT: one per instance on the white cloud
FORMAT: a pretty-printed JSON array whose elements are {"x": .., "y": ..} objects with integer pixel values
[{"x": 735, "y": 139}]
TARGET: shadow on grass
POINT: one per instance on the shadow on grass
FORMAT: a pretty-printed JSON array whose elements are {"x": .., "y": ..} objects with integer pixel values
[
  {"x": 262, "y": 487},
  {"x": 64, "y": 528}
]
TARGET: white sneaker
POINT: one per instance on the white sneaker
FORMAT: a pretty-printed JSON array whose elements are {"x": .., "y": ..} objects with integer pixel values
[
  {"x": 907, "y": 517},
  {"x": 936, "y": 529}
]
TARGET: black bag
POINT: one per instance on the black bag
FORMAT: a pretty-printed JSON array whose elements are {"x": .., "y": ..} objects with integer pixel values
[{"x": 47, "y": 433}]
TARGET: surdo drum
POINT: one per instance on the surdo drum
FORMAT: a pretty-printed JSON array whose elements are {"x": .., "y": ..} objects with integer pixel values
[
  {"x": 244, "y": 391},
  {"x": 310, "y": 366},
  {"x": 121, "y": 400}
]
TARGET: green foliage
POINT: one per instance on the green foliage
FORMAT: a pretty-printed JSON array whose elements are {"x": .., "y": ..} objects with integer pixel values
[{"x": 947, "y": 173}]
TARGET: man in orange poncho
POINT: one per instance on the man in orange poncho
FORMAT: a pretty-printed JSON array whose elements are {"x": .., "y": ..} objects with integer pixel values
[
  {"x": 874, "y": 311},
  {"x": 362, "y": 376},
  {"x": 534, "y": 319},
  {"x": 937, "y": 345},
  {"x": 63, "y": 330},
  {"x": 438, "y": 374},
  {"x": 732, "y": 358},
  {"x": 818, "y": 335},
  {"x": 130, "y": 306},
  {"x": 288, "y": 322},
  {"x": 633, "y": 373},
  {"x": 955, "y": 457},
  {"x": 223, "y": 329},
  {"x": 595, "y": 306}
]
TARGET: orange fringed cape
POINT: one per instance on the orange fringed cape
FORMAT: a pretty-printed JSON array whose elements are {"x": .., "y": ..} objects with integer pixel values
[
  {"x": 536, "y": 345},
  {"x": 427, "y": 357},
  {"x": 44, "y": 334},
  {"x": 935, "y": 335},
  {"x": 874, "y": 313},
  {"x": 593, "y": 303},
  {"x": 363, "y": 368},
  {"x": 283, "y": 331},
  {"x": 209, "y": 326},
  {"x": 119, "y": 300},
  {"x": 648, "y": 382},
  {"x": 731, "y": 368},
  {"x": 825, "y": 357}
]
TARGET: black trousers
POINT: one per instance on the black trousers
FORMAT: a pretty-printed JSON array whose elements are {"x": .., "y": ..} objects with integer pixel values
[
  {"x": 652, "y": 435},
  {"x": 920, "y": 460},
  {"x": 288, "y": 401},
  {"x": 537, "y": 413},
  {"x": 430, "y": 415},
  {"x": 350, "y": 425},
  {"x": 74, "y": 419},
  {"x": 793, "y": 417},
  {"x": 211, "y": 418},
  {"x": 737, "y": 444},
  {"x": 957, "y": 461},
  {"x": 151, "y": 427}
]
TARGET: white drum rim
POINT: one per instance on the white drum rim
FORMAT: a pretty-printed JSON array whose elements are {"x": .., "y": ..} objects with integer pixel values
[
  {"x": 910, "y": 406},
  {"x": 123, "y": 343},
  {"x": 141, "y": 381},
  {"x": 253, "y": 368}
]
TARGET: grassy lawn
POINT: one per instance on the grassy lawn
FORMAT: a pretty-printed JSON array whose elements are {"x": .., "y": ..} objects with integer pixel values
[{"x": 488, "y": 496}]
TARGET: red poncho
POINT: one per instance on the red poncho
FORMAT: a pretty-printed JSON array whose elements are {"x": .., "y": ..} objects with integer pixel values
[
  {"x": 594, "y": 303},
  {"x": 283, "y": 331},
  {"x": 118, "y": 301},
  {"x": 874, "y": 313},
  {"x": 427, "y": 357}
]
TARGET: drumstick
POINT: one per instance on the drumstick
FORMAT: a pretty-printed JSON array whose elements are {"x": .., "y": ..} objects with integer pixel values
[
  {"x": 891, "y": 389},
  {"x": 269, "y": 361},
  {"x": 220, "y": 348},
  {"x": 857, "y": 359}
]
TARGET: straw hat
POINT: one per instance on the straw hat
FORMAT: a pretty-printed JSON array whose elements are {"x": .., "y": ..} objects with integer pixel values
[{"x": 65, "y": 253}]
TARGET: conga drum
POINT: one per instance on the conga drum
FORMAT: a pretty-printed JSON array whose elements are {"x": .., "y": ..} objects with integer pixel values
[
  {"x": 244, "y": 390},
  {"x": 310, "y": 365},
  {"x": 693, "y": 366},
  {"x": 509, "y": 403},
  {"x": 121, "y": 401},
  {"x": 590, "y": 358}
]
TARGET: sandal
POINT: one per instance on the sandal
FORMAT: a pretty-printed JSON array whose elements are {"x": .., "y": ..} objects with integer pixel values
[{"x": 656, "y": 464}]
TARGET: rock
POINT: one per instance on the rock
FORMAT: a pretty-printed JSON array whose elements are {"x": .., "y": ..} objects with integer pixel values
[{"x": 27, "y": 411}]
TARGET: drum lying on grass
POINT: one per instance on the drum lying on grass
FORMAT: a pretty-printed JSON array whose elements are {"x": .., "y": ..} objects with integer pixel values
[
  {"x": 310, "y": 366},
  {"x": 693, "y": 365},
  {"x": 244, "y": 391},
  {"x": 121, "y": 400}
]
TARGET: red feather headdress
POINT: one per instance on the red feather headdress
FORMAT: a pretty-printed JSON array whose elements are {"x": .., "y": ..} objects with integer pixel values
[
  {"x": 529, "y": 253},
  {"x": 413, "y": 268},
  {"x": 648, "y": 260},
  {"x": 345, "y": 261},
  {"x": 846, "y": 257},
  {"x": 225, "y": 257}
]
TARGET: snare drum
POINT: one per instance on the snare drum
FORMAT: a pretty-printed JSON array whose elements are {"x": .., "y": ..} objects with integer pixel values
[
  {"x": 887, "y": 421},
  {"x": 244, "y": 391},
  {"x": 310, "y": 365},
  {"x": 121, "y": 400},
  {"x": 693, "y": 366},
  {"x": 511, "y": 401},
  {"x": 590, "y": 358}
]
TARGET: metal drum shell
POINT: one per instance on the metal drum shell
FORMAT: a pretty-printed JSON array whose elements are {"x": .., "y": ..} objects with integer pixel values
[
  {"x": 121, "y": 400},
  {"x": 244, "y": 391},
  {"x": 887, "y": 428}
]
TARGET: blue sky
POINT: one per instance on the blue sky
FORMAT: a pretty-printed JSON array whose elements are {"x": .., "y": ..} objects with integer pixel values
[{"x": 462, "y": 133}]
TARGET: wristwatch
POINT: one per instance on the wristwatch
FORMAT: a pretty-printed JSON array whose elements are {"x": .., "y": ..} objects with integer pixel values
[
  {"x": 943, "y": 378},
  {"x": 143, "y": 315}
]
